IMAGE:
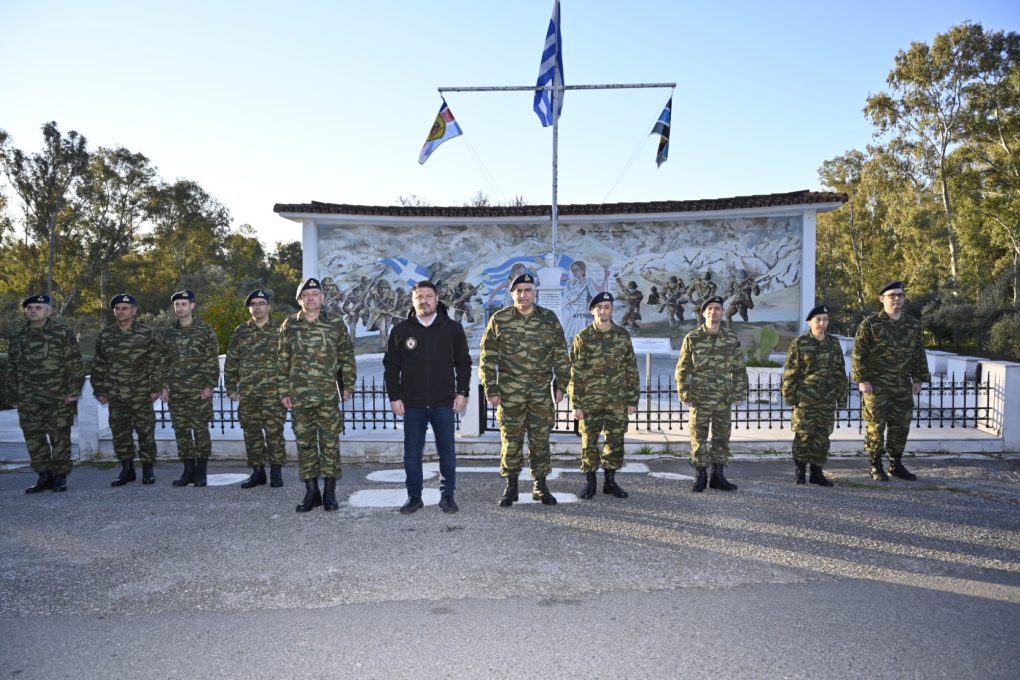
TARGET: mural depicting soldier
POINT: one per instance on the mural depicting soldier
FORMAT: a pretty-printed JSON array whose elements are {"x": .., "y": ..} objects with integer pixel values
[
  {"x": 462, "y": 302},
  {"x": 354, "y": 300},
  {"x": 334, "y": 298},
  {"x": 702, "y": 288},
  {"x": 742, "y": 288},
  {"x": 381, "y": 305},
  {"x": 674, "y": 295},
  {"x": 403, "y": 303},
  {"x": 633, "y": 296}
]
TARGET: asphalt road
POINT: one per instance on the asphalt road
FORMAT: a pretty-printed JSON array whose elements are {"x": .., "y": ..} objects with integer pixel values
[{"x": 898, "y": 580}]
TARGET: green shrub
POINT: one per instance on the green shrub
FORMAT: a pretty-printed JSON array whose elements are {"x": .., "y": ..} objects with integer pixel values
[{"x": 1004, "y": 338}]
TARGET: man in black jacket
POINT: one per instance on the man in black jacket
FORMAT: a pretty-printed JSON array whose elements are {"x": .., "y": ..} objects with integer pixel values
[{"x": 428, "y": 376}]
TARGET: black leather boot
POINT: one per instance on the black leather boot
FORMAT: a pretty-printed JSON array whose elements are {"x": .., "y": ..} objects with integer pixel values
[
  {"x": 59, "y": 483},
  {"x": 718, "y": 480},
  {"x": 412, "y": 505},
  {"x": 127, "y": 473},
  {"x": 899, "y": 470},
  {"x": 148, "y": 474},
  {"x": 275, "y": 476},
  {"x": 509, "y": 493},
  {"x": 447, "y": 504},
  {"x": 540, "y": 492},
  {"x": 590, "y": 487},
  {"x": 611, "y": 487},
  {"x": 877, "y": 472},
  {"x": 200, "y": 471},
  {"x": 329, "y": 494},
  {"x": 42, "y": 483},
  {"x": 312, "y": 497},
  {"x": 818, "y": 477},
  {"x": 257, "y": 477},
  {"x": 188, "y": 476},
  {"x": 799, "y": 477},
  {"x": 701, "y": 481}
]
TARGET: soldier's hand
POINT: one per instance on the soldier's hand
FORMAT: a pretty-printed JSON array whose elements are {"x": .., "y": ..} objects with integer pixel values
[
  {"x": 287, "y": 403},
  {"x": 234, "y": 396},
  {"x": 558, "y": 395},
  {"x": 578, "y": 414},
  {"x": 346, "y": 395},
  {"x": 71, "y": 400},
  {"x": 916, "y": 388},
  {"x": 397, "y": 407},
  {"x": 153, "y": 396},
  {"x": 102, "y": 399},
  {"x": 631, "y": 410},
  {"x": 166, "y": 396},
  {"x": 495, "y": 400},
  {"x": 460, "y": 403},
  {"x": 738, "y": 402},
  {"x": 865, "y": 387}
]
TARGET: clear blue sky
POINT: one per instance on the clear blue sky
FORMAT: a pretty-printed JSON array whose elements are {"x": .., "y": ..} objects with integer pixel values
[{"x": 265, "y": 102}]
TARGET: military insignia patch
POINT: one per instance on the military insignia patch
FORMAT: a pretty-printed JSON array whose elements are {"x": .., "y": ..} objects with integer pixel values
[{"x": 411, "y": 343}]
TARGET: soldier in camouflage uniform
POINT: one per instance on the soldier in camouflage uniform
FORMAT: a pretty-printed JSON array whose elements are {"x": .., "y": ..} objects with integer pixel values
[
  {"x": 889, "y": 365},
  {"x": 192, "y": 375},
  {"x": 710, "y": 376},
  {"x": 315, "y": 354},
  {"x": 44, "y": 379},
  {"x": 524, "y": 354},
  {"x": 633, "y": 296},
  {"x": 128, "y": 374},
  {"x": 249, "y": 376},
  {"x": 814, "y": 384},
  {"x": 604, "y": 391}
]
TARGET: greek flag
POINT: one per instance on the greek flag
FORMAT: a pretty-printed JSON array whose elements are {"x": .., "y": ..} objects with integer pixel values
[
  {"x": 407, "y": 271},
  {"x": 662, "y": 129},
  {"x": 551, "y": 71}
]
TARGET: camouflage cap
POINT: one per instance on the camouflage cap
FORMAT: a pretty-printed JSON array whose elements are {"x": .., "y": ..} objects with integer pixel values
[
  {"x": 183, "y": 295},
  {"x": 711, "y": 300},
  {"x": 122, "y": 299},
  {"x": 311, "y": 283},
  {"x": 523, "y": 278},
  {"x": 257, "y": 294},
  {"x": 815, "y": 311},
  {"x": 40, "y": 299},
  {"x": 892, "y": 285},
  {"x": 601, "y": 297}
]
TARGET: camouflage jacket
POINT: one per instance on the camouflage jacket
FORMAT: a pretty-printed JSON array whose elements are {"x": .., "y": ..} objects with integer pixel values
[
  {"x": 193, "y": 362},
  {"x": 603, "y": 368},
  {"x": 250, "y": 367},
  {"x": 44, "y": 364},
  {"x": 523, "y": 352},
  {"x": 889, "y": 354},
  {"x": 814, "y": 374},
  {"x": 129, "y": 364},
  {"x": 312, "y": 356},
  {"x": 711, "y": 368}
]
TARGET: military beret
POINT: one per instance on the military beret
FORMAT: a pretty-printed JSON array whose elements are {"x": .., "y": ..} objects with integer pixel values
[
  {"x": 706, "y": 303},
  {"x": 815, "y": 311},
  {"x": 41, "y": 299},
  {"x": 601, "y": 297},
  {"x": 311, "y": 283},
  {"x": 257, "y": 294},
  {"x": 893, "y": 285},
  {"x": 523, "y": 278},
  {"x": 121, "y": 299},
  {"x": 183, "y": 295}
]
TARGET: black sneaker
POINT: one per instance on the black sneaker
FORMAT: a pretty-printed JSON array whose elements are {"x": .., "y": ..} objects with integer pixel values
[
  {"x": 412, "y": 505},
  {"x": 447, "y": 504}
]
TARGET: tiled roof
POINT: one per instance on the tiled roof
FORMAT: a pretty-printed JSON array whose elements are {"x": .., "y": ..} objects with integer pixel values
[{"x": 701, "y": 205}]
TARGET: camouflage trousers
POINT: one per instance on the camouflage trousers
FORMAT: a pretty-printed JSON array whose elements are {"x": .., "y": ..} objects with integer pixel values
[
  {"x": 262, "y": 418},
  {"x": 888, "y": 415},
  {"x": 47, "y": 430},
  {"x": 317, "y": 429},
  {"x": 812, "y": 426},
  {"x": 706, "y": 418},
  {"x": 611, "y": 419},
  {"x": 533, "y": 415},
  {"x": 191, "y": 426},
  {"x": 128, "y": 417}
]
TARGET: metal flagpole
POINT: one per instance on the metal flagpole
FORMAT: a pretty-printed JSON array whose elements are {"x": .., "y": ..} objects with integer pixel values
[{"x": 556, "y": 93}]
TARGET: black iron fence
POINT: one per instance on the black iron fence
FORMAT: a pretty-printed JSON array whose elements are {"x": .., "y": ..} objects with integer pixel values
[{"x": 942, "y": 403}]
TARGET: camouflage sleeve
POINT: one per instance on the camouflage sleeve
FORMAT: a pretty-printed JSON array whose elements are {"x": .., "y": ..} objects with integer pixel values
[
  {"x": 211, "y": 372},
  {"x": 347, "y": 368},
  {"x": 159, "y": 362},
  {"x": 283, "y": 360},
  {"x": 561, "y": 359},
  {"x": 231, "y": 363},
  {"x": 461, "y": 361},
  {"x": 488, "y": 359},
  {"x": 74, "y": 366},
  {"x": 791, "y": 374},
  {"x": 578, "y": 373},
  {"x": 633, "y": 381},
  {"x": 684, "y": 368},
  {"x": 862, "y": 350},
  {"x": 100, "y": 368},
  {"x": 392, "y": 366},
  {"x": 13, "y": 360},
  {"x": 919, "y": 361},
  {"x": 739, "y": 369}
]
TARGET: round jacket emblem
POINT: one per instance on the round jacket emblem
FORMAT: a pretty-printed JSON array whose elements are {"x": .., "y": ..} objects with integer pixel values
[{"x": 411, "y": 343}]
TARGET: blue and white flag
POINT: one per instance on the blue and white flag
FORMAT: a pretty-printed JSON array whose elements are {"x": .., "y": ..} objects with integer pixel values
[
  {"x": 551, "y": 71},
  {"x": 662, "y": 129},
  {"x": 408, "y": 271}
]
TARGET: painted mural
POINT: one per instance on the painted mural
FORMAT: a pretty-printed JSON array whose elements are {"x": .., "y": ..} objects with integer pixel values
[{"x": 658, "y": 271}]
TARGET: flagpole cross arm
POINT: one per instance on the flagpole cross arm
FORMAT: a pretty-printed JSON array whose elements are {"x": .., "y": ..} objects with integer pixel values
[{"x": 533, "y": 88}]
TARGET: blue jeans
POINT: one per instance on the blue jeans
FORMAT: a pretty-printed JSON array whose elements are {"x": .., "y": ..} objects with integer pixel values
[{"x": 416, "y": 420}]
